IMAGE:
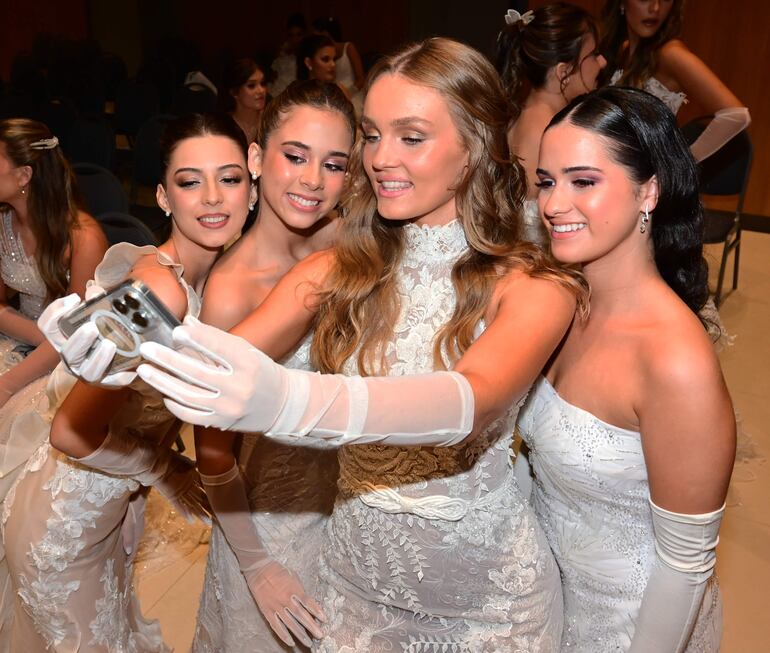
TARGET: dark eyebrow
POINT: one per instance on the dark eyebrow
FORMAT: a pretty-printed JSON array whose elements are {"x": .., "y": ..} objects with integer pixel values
[
  {"x": 566, "y": 171},
  {"x": 307, "y": 148},
  {"x": 198, "y": 170}
]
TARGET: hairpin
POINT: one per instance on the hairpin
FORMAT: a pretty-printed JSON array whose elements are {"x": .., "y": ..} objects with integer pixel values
[
  {"x": 512, "y": 16},
  {"x": 45, "y": 143}
]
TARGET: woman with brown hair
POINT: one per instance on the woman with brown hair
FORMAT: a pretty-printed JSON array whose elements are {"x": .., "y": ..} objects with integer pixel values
[
  {"x": 431, "y": 322},
  {"x": 641, "y": 44},
  {"x": 245, "y": 94}
]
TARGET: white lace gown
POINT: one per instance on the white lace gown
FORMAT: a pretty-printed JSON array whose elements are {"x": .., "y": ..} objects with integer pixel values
[
  {"x": 434, "y": 549},
  {"x": 61, "y": 521},
  {"x": 292, "y": 495},
  {"x": 672, "y": 99},
  {"x": 591, "y": 496}
]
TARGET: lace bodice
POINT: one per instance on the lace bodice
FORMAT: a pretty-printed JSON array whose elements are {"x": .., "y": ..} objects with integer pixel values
[
  {"x": 432, "y": 549},
  {"x": 19, "y": 271},
  {"x": 591, "y": 496},
  {"x": 672, "y": 99}
]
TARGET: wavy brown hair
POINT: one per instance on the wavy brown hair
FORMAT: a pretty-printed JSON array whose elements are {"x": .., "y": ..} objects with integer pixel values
[
  {"x": 359, "y": 307},
  {"x": 52, "y": 198},
  {"x": 637, "y": 69}
]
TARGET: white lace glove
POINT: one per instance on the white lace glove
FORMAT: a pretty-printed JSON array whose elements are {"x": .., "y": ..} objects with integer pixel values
[
  {"x": 686, "y": 548},
  {"x": 277, "y": 591},
  {"x": 172, "y": 474},
  {"x": 84, "y": 356},
  {"x": 726, "y": 123},
  {"x": 244, "y": 390}
]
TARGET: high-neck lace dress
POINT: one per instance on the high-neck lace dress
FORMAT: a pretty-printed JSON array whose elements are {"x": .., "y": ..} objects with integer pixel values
[
  {"x": 591, "y": 496},
  {"x": 434, "y": 549}
]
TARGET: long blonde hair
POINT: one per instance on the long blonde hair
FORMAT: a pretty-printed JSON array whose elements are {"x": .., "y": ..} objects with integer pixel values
[{"x": 359, "y": 307}]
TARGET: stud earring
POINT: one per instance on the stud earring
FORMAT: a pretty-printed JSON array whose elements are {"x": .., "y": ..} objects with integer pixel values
[
  {"x": 168, "y": 214},
  {"x": 645, "y": 220},
  {"x": 254, "y": 176},
  {"x": 23, "y": 190},
  {"x": 251, "y": 206}
]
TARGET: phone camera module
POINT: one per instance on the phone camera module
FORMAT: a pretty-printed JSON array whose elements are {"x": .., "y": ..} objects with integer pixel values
[{"x": 119, "y": 306}]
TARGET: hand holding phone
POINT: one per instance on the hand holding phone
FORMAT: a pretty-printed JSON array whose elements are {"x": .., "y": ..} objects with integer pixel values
[{"x": 104, "y": 333}]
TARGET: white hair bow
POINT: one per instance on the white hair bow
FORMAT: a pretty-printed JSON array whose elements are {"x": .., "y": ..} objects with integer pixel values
[{"x": 512, "y": 16}]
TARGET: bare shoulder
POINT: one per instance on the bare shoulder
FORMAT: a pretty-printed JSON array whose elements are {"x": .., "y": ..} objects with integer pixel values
[
  {"x": 88, "y": 234},
  {"x": 163, "y": 281},
  {"x": 314, "y": 268},
  {"x": 523, "y": 294}
]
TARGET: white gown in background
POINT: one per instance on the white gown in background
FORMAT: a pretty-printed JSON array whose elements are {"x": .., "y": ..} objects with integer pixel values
[
  {"x": 672, "y": 99},
  {"x": 434, "y": 549},
  {"x": 292, "y": 491},
  {"x": 591, "y": 496},
  {"x": 61, "y": 521}
]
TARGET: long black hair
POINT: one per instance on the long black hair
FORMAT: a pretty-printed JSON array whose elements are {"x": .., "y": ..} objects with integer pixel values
[{"x": 643, "y": 137}]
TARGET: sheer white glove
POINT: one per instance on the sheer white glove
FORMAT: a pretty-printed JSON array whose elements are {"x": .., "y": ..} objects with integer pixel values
[
  {"x": 276, "y": 590},
  {"x": 686, "y": 548},
  {"x": 726, "y": 123},
  {"x": 174, "y": 476},
  {"x": 86, "y": 354},
  {"x": 243, "y": 389}
]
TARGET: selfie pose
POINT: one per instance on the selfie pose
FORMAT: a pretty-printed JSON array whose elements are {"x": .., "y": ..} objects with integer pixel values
[
  {"x": 73, "y": 520},
  {"x": 631, "y": 435},
  {"x": 261, "y": 580},
  {"x": 430, "y": 544}
]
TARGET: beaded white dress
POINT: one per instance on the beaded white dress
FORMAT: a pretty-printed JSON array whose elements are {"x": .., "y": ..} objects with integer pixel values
[
  {"x": 61, "y": 520},
  {"x": 292, "y": 491},
  {"x": 434, "y": 549},
  {"x": 591, "y": 496}
]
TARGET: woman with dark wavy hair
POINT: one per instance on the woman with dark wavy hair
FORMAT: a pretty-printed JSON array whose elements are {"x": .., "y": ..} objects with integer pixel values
[
  {"x": 641, "y": 44},
  {"x": 631, "y": 429}
]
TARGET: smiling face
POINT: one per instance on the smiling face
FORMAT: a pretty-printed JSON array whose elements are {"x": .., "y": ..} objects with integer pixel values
[
  {"x": 322, "y": 65},
  {"x": 207, "y": 189},
  {"x": 590, "y": 206},
  {"x": 413, "y": 153},
  {"x": 645, "y": 17},
  {"x": 583, "y": 78},
  {"x": 303, "y": 166},
  {"x": 252, "y": 95}
]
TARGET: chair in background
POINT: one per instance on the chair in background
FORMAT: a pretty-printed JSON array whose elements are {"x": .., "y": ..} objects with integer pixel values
[
  {"x": 91, "y": 140},
  {"x": 146, "y": 166},
  {"x": 59, "y": 114},
  {"x": 101, "y": 190},
  {"x": 124, "y": 228},
  {"x": 724, "y": 173}
]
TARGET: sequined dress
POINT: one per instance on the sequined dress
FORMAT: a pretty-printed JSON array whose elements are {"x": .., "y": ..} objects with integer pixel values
[
  {"x": 434, "y": 549},
  {"x": 292, "y": 495},
  {"x": 61, "y": 520},
  {"x": 591, "y": 496}
]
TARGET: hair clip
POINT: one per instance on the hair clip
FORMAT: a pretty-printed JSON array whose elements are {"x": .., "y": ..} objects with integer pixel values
[
  {"x": 512, "y": 16},
  {"x": 45, "y": 143}
]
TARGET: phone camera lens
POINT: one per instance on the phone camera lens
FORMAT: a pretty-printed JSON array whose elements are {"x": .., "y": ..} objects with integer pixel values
[
  {"x": 131, "y": 302},
  {"x": 119, "y": 306},
  {"x": 140, "y": 319}
]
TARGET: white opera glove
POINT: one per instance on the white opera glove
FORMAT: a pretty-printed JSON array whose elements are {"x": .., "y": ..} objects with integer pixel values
[
  {"x": 276, "y": 590},
  {"x": 686, "y": 555},
  {"x": 726, "y": 124},
  {"x": 172, "y": 474},
  {"x": 242, "y": 389},
  {"x": 86, "y": 354}
]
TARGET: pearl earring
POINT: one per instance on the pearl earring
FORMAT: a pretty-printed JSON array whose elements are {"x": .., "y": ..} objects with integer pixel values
[
  {"x": 168, "y": 214},
  {"x": 254, "y": 176},
  {"x": 23, "y": 190},
  {"x": 645, "y": 219}
]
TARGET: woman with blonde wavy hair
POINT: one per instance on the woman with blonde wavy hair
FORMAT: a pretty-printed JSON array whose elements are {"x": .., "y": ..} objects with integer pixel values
[{"x": 431, "y": 323}]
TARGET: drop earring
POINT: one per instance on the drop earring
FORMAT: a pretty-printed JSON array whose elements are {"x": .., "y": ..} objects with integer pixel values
[{"x": 645, "y": 220}]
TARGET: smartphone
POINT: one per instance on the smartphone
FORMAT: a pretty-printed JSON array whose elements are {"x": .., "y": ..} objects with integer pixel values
[{"x": 128, "y": 315}]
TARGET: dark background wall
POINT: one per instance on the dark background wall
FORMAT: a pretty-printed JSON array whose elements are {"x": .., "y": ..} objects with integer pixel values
[{"x": 731, "y": 37}]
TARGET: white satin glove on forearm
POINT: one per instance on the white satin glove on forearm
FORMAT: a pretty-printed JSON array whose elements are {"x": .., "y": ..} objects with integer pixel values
[
  {"x": 276, "y": 590},
  {"x": 86, "y": 354},
  {"x": 726, "y": 123},
  {"x": 686, "y": 548},
  {"x": 243, "y": 389},
  {"x": 172, "y": 474}
]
